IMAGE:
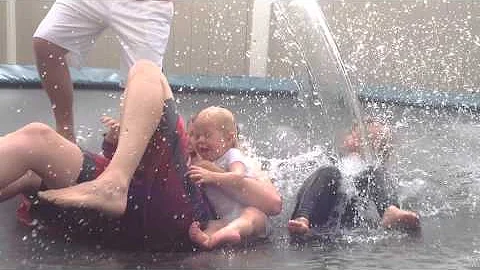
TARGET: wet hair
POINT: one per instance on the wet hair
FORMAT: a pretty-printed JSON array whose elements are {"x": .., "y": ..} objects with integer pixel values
[
  {"x": 191, "y": 120},
  {"x": 380, "y": 136},
  {"x": 223, "y": 119}
]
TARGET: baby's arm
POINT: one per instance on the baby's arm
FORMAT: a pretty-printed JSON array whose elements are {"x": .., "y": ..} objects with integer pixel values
[
  {"x": 208, "y": 165},
  {"x": 259, "y": 193},
  {"x": 201, "y": 174}
]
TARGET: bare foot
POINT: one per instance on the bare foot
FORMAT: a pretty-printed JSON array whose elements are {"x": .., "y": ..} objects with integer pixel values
[
  {"x": 299, "y": 225},
  {"x": 198, "y": 236},
  {"x": 102, "y": 194},
  {"x": 395, "y": 217}
]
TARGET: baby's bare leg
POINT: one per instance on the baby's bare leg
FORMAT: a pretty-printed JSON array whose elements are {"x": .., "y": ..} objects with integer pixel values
[
  {"x": 202, "y": 238},
  {"x": 251, "y": 222}
]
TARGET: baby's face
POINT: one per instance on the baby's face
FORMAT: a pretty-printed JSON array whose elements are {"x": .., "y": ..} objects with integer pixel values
[{"x": 208, "y": 140}]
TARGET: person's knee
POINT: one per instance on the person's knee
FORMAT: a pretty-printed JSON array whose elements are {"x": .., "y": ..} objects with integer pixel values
[
  {"x": 30, "y": 138},
  {"x": 44, "y": 47},
  {"x": 38, "y": 132},
  {"x": 39, "y": 44},
  {"x": 145, "y": 71},
  {"x": 144, "y": 67},
  {"x": 330, "y": 174}
]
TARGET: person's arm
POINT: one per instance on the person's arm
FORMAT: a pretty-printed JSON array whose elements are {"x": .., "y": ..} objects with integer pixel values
[
  {"x": 257, "y": 193},
  {"x": 217, "y": 176},
  {"x": 110, "y": 138}
]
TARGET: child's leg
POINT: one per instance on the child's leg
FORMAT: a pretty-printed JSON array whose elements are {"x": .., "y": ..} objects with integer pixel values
[
  {"x": 373, "y": 184},
  {"x": 55, "y": 75},
  {"x": 37, "y": 152},
  {"x": 67, "y": 27},
  {"x": 29, "y": 183},
  {"x": 251, "y": 222},
  {"x": 202, "y": 238},
  {"x": 142, "y": 109},
  {"x": 316, "y": 200}
]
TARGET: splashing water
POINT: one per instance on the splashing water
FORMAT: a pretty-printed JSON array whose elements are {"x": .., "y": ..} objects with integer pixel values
[
  {"x": 330, "y": 101},
  {"x": 329, "y": 97}
]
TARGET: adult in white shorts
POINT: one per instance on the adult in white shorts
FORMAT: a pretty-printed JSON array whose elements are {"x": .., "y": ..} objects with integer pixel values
[{"x": 70, "y": 29}]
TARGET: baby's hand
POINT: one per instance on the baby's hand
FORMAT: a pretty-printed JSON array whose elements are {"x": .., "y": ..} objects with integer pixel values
[
  {"x": 208, "y": 165},
  {"x": 113, "y": 126},
  {"x": 199, "y": 175}
]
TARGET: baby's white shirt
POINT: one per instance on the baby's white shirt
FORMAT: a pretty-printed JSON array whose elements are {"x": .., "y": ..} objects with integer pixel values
[{"x": 226, "y": 207}]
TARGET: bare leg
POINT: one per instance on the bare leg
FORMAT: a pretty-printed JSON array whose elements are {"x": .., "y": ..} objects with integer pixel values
[
  {"x": 395, "y": 217},
  {"x": 147, "y": 89},
  {"x": 28, "y": 183},
  {"x": 202, "y": 238},
  {"x": 250, "y": 223},
  {"x": 198, "y": 236},
  {"x": 37, "y": 152},
  {"x": 55, "y": 75},
  {"x": 299, "y": 225}
]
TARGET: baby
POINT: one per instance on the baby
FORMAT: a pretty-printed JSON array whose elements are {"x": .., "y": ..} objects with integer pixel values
[{"x": 220, "y": 167}]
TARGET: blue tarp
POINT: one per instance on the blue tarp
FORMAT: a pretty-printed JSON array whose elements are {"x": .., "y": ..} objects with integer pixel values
[
  {"x": 18, "y": 76},
  {"x": 21, "y": 76}
]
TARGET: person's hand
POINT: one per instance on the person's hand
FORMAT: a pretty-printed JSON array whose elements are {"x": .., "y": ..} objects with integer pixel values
[
  {"x": 113, "y": 127},
  {"x": 206, "y": 164},
  {"x": 352, "y": 142},
  {"x": 199, "y": 175}
]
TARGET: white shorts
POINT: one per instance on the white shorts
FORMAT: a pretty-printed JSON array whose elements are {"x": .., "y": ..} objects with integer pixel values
[{"x": 141, "y": 26}]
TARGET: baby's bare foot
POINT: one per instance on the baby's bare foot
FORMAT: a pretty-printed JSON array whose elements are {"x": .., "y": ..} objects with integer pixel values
[{"x": 198, "y": 236}]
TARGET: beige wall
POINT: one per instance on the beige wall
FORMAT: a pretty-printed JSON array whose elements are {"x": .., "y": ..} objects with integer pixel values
[
  {"x": 106, "y": 51},
  {"x": 26, "y": 25},
  {"x": 206, "y": 37},
  {"x": 434, "y": 43},
  {"x": 3, "y": 33}
]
